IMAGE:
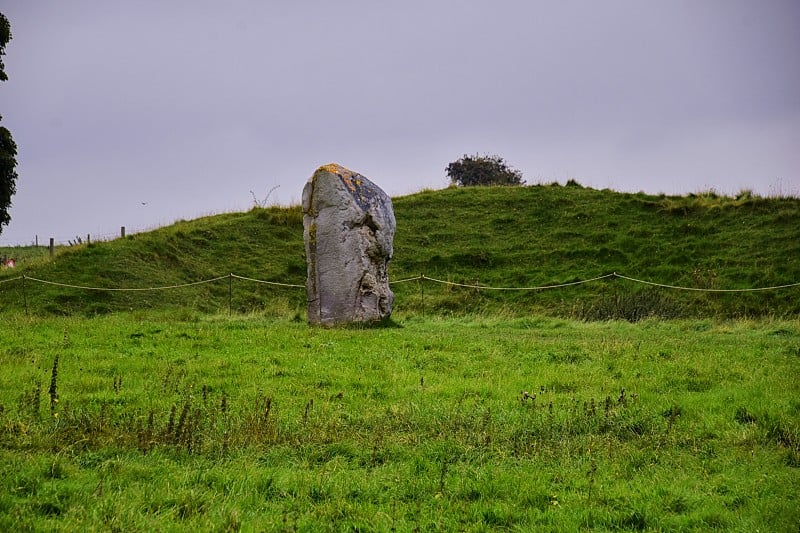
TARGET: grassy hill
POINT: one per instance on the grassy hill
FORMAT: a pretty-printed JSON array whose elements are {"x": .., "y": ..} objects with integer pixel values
[{"x": 503, "y": 237}]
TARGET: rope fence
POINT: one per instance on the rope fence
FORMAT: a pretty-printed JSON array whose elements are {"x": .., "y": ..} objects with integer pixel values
[
  {"x": 124, "y": 289},
  {"x": 422, "y": 278},
  {"x": 275, "y": 283},
  {"x": 675, "y": 287},
  {"x": 488, "y": 288}
]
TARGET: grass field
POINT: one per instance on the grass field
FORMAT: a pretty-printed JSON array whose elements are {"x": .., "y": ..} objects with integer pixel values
[
  {"x": 145, "y": 421},
  {"x": 604, "y": 406}
]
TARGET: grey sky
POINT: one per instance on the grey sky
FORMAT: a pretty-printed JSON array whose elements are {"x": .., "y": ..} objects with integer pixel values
[{"x": 140, "y": 113}]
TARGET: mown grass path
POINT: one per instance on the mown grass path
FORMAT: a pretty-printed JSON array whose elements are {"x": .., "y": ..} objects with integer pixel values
[{"x": 153, "y": 422}]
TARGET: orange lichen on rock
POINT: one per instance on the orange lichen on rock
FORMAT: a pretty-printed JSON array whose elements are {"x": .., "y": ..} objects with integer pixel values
[
  {"x": 352, "y": 180},
  {"x": 335, "y": 168}
]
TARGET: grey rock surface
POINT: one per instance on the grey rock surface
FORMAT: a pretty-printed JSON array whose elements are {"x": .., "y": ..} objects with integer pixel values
[{"x": 349, "y": 230}]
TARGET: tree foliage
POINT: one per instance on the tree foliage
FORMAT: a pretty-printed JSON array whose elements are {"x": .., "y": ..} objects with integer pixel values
[
  {"x": 8, "y": 148},
  {"x": 5, "y": 36},
  {"x": 483, "y": 170}
]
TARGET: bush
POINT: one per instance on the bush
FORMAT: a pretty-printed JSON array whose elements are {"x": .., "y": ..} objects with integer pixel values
[{"x": 483, "y": 170}]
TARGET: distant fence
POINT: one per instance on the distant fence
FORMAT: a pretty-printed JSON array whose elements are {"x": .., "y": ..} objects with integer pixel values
[
  {"x": 422, "y": 278},
  {"x": 77, "y": 241}
]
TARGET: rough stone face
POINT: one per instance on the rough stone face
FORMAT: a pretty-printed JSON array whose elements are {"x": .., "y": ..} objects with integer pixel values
[{"x": 349, "y": 228}]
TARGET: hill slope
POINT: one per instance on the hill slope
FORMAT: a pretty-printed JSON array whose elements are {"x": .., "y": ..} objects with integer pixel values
[{"x": 509, "y": 237}]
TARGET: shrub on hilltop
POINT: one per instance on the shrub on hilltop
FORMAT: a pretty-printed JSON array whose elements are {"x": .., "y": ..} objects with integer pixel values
[{"x": 483, "y": 170}]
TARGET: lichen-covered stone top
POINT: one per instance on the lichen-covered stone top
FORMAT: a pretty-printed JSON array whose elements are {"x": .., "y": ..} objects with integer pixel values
[{"x": 363, "y": 191}]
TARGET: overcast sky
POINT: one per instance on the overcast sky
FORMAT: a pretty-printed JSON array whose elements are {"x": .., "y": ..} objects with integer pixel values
[{"x": 141, "y": 113}]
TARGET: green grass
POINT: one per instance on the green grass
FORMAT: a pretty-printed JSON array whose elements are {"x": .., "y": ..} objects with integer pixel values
[
  {"x": 208, "y": 422},
  {"x": 471, "y": 410},
  {"x": 503, "y": 236}
]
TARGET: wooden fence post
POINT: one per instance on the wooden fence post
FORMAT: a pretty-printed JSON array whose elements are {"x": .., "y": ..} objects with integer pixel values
[
  {"x": 422, "y": 290},
  {"x": 122, "y": 231},
  {"x": 230, "y": 293},
  {"x": 52, "y": 247},
  {"x": 24, "y": 295}
]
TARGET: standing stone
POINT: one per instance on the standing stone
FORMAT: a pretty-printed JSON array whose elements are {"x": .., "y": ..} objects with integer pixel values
[{"x": 349, "y": 228}]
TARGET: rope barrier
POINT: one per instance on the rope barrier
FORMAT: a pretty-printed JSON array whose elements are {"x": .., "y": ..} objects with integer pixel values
[
  {"x": 488, "y": 288},
  {"x": 267, "y": 282},
  {"x": 663, "y": 285},
  {"x": 415, "y": 278},
  {"x": 422, "y": 277},
  {"x": 126, "y": 289}
]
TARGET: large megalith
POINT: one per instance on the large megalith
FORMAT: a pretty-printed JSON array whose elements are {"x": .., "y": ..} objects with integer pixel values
[{"x": 349, "y": 225}]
